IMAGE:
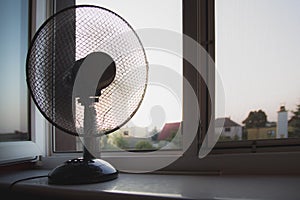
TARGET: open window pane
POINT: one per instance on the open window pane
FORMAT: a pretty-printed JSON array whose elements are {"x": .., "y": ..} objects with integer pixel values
[
  {"x": 257, "y": 47},
  {"x": 157, "y": 123},
  {"x": 14, "y": 44}
]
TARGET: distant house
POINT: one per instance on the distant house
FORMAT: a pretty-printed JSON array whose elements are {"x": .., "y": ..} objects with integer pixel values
[
  {"x": 272, "y": 130},
  {"x": 134, "y": 131},
  {"x": 169, "y": 130},
  {"x": 268, "y": 132},
  {"x": 134, "y": 134},
  {"x": 228, "y": 128}
]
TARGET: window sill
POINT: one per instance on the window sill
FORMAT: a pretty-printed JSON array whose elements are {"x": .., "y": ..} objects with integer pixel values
[
  {"x": 242, "y": 163},
  {"x": 157, "y": 186},
  {"x": 11, "y": 152}
]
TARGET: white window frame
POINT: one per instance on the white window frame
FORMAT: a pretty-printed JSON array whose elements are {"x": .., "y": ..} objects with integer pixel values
[{"x": 24, "y": 151}]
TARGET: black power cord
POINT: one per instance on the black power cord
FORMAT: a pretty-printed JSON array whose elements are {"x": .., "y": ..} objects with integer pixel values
[{"x": 25, "y": 179}]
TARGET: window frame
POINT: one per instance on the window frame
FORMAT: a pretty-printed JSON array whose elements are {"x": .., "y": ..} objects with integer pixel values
[
  {"x": 287, "y": 145},
  {"x": 235, "y": 157},
  {"x": 31, "y": 150},
  {"x": 118, "y": 158}
]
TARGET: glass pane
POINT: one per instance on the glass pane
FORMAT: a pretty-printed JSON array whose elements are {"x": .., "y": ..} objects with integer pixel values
[
  {"x": 257, "y": 56},
  {"x": 157, "y": 123},
  {"x": 159, "y": 118},
  {"x": 13, "y": 48}
]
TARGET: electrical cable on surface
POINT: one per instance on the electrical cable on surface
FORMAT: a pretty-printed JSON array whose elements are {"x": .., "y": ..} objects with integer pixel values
[{"x": 25, "y": 179}]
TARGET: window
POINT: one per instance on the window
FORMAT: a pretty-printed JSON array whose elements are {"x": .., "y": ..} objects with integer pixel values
[
  {"x": 186, "y": 15},
  {"x": 158, "y": 120},
  {"x": 14, "y": 40},
  {"x": 256, "y": 50},
  {"x": 236, "y": 151},
  {"x": 17, "y": 135}
]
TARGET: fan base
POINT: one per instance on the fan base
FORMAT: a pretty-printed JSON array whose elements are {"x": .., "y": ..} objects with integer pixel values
[{"x": 82, "y": 171}]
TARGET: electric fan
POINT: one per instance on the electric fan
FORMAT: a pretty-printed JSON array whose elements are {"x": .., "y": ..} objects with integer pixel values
[{"x": 87, "y": 73}]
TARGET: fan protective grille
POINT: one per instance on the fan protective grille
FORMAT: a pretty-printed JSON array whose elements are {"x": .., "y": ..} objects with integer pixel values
[{"x": 71, "y": 35}]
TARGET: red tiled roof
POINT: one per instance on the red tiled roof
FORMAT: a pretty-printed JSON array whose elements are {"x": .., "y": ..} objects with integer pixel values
[{"x": 168, "y": 129}]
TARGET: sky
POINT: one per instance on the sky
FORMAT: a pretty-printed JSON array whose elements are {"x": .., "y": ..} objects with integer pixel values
[
  {"x": 257, "y": 55},
  {"x": 13, "y": 48}
]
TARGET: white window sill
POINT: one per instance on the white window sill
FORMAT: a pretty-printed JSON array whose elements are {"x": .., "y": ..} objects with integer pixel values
[
  {"x": 154, "y": 186},
  {"x": 11, "y": 152}
]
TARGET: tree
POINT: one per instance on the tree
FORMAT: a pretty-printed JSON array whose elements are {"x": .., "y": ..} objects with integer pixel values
[
  {"x": 223, "y": 138},
  {"x": 295, "y": 123},
  {"x": 118, "y": 140},
  {"x": 172, "y": 135},
  {"x": 244, "y": 134},
  {"x": 256, "y": 119},
  {"x": 236, "y": 138},
  {"x": 154, "y": 134},
  {"x": 143, "y": 145}
]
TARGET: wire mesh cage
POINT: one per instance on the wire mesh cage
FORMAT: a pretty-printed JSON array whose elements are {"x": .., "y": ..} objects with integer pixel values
[{"x": 69, "y": 36}]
